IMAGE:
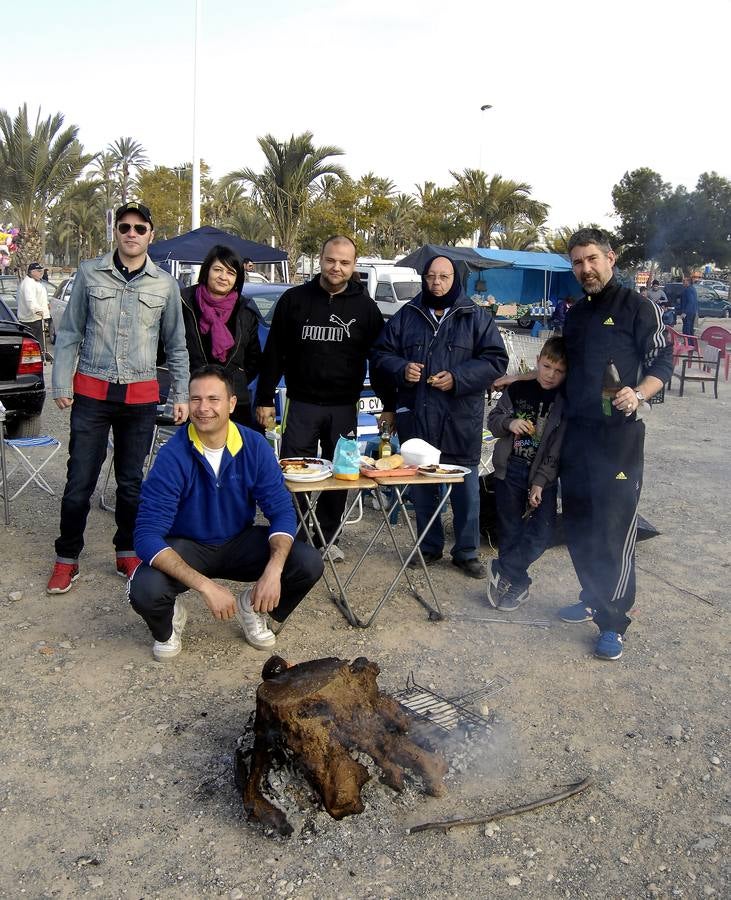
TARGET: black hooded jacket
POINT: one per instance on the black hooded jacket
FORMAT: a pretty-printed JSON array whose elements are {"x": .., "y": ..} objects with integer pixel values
[{"x": 320, "y": 342}]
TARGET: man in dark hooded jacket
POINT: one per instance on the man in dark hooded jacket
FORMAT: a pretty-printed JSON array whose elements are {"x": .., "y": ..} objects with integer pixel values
[{"x": 442, "y": 352}]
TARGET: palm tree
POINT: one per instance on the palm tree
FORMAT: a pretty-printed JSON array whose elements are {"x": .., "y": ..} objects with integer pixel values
[
  {"x": 292, "y": 176},
  {"x": 35, "y": 169},
  {"x": 105, "y": 169},
  {"x": 437, "y": 218},
  {"x": 493, "y": 203},
  {"x": 398, "y": 225},
  {"x": 557, "y": 241},
  {"x": 128, "y": 158},
  {"x": 517, "y": 235},
  {"x": 247, "y": 219}
]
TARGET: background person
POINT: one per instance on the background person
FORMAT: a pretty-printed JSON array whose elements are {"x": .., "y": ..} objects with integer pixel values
[
  {"x": 441, "y": 352},
  {"x": 33, "y": 309},
  {"x": 105, "y": 372},
  {"x": 688, "y": 309},
  {"x": 196, "y": 524},
  {"x": 220, "y": 328}
]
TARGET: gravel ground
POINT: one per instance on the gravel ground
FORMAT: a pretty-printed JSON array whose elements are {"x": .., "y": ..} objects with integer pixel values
[{"x": 117, "y": 775}]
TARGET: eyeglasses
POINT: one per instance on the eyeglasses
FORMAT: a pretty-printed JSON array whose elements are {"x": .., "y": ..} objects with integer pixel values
[
  {"x": 441, "y": 278},
  {"x": 125, "y": 227}
]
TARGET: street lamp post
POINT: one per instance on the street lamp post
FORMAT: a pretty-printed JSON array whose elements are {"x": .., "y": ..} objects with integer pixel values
[{"x": 195, "y": 197}]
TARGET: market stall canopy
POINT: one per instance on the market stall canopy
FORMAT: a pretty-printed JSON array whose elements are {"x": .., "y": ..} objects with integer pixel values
[
  {"x": 193, "y": 247},
  {"x": 526, "y": 259},
  {"x": 465, "y": 259}
]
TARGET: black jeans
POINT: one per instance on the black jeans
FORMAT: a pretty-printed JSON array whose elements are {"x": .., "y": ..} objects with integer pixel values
[
  {"x": 304, "y": 425},
  {"x": 132, "y": 426},
  {"x": 152, "y": 593},
  {"x": 521, "y": 541}
]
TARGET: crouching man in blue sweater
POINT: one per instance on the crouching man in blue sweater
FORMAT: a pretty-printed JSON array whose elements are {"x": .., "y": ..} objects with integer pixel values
[{"x": 196, "y": 522}]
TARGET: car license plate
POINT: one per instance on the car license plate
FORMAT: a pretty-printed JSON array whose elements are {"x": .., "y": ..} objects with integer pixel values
[{"x": 370, "y": 405}]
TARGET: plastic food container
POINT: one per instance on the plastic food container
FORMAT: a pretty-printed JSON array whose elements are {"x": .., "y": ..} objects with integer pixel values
[{"x": 417, "y": 452}]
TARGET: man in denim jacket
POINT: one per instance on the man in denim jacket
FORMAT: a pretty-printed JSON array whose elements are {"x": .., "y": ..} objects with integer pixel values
[{"x": 105, "y": 371}]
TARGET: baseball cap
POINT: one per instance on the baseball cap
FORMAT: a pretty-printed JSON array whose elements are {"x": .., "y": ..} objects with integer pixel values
[
  {"x": 656, "y": 282},
  {"x": 134, "y": 206},
  {"x": 34, "y": 267}
]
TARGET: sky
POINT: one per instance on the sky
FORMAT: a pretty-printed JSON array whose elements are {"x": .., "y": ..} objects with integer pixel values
[{"x": 580, "y": 92}]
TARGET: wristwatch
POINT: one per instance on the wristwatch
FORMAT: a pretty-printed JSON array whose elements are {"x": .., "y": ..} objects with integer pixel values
[{"x": 640, "y": 397}]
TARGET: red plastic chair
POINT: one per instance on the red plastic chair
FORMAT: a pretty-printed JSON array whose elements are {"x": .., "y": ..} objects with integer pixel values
[
  {"x": 717, "y": 336},
  {"x": 684, "y": 347}
]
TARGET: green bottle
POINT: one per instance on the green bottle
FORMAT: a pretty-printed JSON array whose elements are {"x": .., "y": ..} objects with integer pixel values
[{"x": 611, "y": 383}]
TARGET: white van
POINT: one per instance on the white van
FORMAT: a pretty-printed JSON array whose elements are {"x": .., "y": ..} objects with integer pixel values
[{"x": 391, "y": 286}]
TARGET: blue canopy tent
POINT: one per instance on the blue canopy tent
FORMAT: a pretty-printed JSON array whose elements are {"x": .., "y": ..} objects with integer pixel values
[
  {"x": 193, "y": 247},
  {"x": 531, "y": 276}
]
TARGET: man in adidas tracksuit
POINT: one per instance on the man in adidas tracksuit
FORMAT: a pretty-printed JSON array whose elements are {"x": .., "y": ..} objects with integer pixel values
[
  {"x": 602, "y": 455},
  {"x": 320, "y": 337}
]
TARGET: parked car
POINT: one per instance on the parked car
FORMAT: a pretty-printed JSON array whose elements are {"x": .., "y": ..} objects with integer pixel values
[
  {"x": 57, "y": 304},
  {"x": 262, "y": 299},
  {"x": 718, "y": 286},
  {"x": 9, "y": 285},
  {"x": 710, "y": 303},
  {"x": 22, "y": 386}
]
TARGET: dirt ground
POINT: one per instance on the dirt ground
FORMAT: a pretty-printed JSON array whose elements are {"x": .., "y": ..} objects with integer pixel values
[{"x": 117, "y": 770}]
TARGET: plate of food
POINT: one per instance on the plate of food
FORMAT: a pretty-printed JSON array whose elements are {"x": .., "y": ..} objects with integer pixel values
[
  {"x": 444, "y": 471},
  {"x": 304, "y": 468}
]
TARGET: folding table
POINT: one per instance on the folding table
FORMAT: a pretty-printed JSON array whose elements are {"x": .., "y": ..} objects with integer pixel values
[{"x": 338, "y": 594}]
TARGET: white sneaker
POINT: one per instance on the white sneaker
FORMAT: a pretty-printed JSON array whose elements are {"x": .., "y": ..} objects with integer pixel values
[
  {"x": 335, "y": 554},
  {"x": 163, "y": 650},
  {"x": 253, "y": 624}
]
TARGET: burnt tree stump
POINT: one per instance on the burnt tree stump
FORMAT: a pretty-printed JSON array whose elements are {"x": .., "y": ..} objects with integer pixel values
[{"x": 319, "y": 712}]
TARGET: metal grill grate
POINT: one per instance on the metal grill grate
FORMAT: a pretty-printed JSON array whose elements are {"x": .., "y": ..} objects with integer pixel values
[{"x": 451, "y": 713}]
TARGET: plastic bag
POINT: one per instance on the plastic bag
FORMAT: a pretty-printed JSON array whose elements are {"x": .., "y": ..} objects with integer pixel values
[{"x": 346, "y": 459}]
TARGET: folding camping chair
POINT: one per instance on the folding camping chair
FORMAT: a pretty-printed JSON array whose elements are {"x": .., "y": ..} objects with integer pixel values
[{"x": 24, "y": 448}]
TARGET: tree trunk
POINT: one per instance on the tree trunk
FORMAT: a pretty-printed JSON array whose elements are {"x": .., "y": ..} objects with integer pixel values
[
  {"x": 317, "y": 713},
  {"x": 30, "y": 248}
]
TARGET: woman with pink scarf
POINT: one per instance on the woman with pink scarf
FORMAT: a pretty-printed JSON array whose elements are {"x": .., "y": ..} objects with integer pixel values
[{"x": 220, "y": 329}]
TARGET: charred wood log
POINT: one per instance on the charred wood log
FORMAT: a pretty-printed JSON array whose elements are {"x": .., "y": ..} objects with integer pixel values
[{"x": 319, "y": 713}]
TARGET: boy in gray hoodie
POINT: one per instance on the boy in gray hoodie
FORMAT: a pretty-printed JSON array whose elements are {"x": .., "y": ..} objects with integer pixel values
[{"x": 528, "y": 420}]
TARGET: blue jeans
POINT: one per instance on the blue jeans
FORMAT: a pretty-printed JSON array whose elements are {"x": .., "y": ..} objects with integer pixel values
[
  {"x": 132, "y": 426},
  {"x": 522, "y": 541},
  {"x": 465, "y": 500}
]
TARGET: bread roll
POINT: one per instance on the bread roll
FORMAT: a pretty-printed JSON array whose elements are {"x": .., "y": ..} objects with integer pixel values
[{"x": 395, "y": 461}]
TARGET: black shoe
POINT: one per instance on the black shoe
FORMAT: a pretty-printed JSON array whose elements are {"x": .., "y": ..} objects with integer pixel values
[
  {"x": 471, "y": 567},
  {"x": 429, "y": 559}
]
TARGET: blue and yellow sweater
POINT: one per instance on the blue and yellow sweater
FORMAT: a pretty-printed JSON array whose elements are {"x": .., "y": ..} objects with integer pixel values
[{"x": 182, "y": 497}]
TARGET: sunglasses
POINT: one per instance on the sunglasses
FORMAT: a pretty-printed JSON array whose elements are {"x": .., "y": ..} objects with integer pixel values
[{"x": 125, "y": 227}]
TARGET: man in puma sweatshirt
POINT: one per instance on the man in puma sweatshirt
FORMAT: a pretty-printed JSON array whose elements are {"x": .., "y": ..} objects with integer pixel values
[{"x": 321, "y": 334}]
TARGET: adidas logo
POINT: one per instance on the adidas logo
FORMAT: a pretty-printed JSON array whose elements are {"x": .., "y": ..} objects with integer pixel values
[
  {"x": 609, "y": 321},
  {"x": 620, "y": 476}
]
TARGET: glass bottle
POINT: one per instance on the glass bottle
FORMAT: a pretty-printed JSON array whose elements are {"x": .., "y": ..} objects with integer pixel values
[
  {"x": 611, "y": 383},
  {"x": 384, "y": 447}
]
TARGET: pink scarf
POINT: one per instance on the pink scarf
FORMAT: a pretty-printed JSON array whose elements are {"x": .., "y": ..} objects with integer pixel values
[{"x": 215, "y": 312}]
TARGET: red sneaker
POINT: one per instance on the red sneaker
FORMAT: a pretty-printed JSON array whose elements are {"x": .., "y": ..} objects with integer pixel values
[
  {"x": 62, "y": 577},
  {"x": 126, "y": 565}
]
